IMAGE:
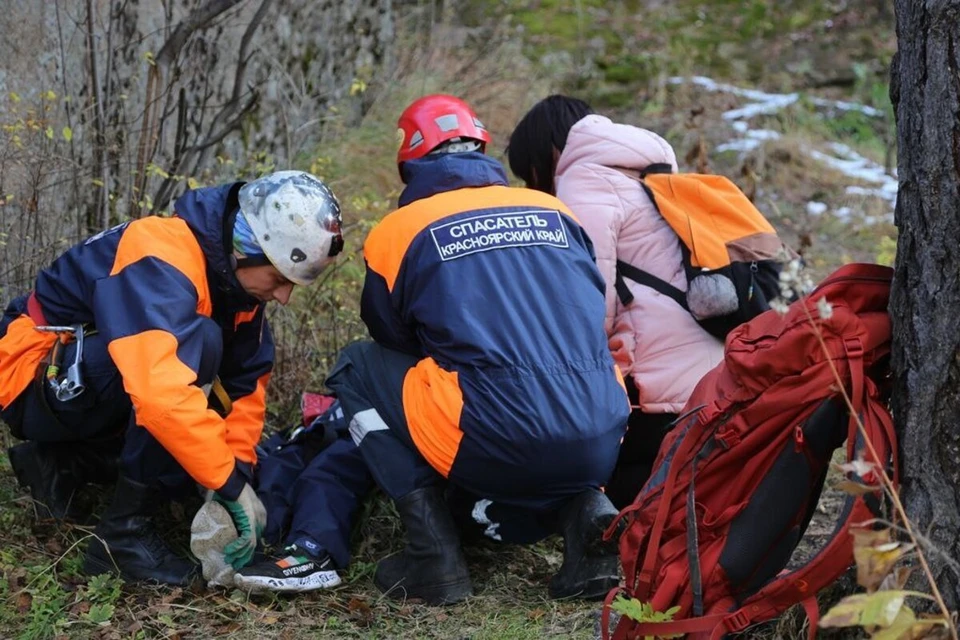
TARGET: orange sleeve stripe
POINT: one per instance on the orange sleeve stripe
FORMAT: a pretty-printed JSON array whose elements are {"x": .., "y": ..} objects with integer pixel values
[
  {"x": 432, "y": 405},
  {"x": 245, "y": 422},
  {"x": 387, "y": 243},
  {"x": 169, "y": 240},
  {"x": 21, "y": 351},
  {"x": 169, "y": 405}
]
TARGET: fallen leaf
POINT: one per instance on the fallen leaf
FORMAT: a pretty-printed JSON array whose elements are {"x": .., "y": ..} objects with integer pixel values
[
  {"x": 270, "y": 620},
  {"x": 856, "y": 488},
  {"x": 17, "y": 579},
  {"x": 876, "y": 554},
  {"x": 172, "y": 596},
  {"x": 80, "y": 608},
  {"x": 227, "y": 629},
  {"x": 896, "y": 580},
  {"x": 24, "y": 602},
  {"x": 878, "y": 609},
  {"x": 359, "y": 610},
  {"x": 907, "y": 627}
]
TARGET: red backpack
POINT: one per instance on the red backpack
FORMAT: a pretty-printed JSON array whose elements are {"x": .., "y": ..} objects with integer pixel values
[{"x": 738, "y": 479}]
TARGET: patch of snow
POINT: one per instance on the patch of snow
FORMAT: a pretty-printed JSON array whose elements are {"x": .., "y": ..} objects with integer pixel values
[
  {"x": 840, "y": 157},
  {"x": 763, "y": 134},
  {"x": 854, "y": 165},
  {"x": 743, "y": 145},
  {"x": 843, "y": 105},
  {"x": 882, "y": 192},
  {"x": 770, "y": 104},
  {"x": 752, "y": 141}
]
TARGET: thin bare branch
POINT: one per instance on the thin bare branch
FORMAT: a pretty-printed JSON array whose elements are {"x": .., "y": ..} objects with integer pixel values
[
  {"x": 100, "y": 151},
  {"x": 198, "y": 19}
]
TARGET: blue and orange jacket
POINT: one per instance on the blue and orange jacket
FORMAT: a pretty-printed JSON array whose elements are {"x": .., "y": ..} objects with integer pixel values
[
  {"x": 496, "y": 289},
  {"x": 151, "y": 288}
]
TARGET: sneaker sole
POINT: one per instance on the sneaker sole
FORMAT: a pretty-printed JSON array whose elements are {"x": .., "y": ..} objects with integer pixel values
[{"x": 313, "y": 582}]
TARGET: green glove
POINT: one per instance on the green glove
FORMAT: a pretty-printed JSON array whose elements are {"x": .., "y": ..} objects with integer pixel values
[{"x": 250, "y": 518}]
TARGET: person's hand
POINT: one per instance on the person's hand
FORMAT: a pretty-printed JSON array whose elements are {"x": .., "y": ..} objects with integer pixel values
[{"x": 250, "y": 518}]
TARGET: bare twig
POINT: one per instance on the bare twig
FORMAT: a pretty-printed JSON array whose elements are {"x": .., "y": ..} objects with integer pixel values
[
  {"x": 68, "y": 106},
  {"x": 100, "y": 151},
  {"x": 168, "y": 54}
]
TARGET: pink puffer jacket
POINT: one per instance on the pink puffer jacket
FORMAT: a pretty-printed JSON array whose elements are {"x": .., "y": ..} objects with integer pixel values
[{"x": 653, "y": 339}]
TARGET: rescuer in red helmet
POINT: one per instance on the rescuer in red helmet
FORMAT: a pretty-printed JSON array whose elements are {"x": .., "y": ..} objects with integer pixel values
[{"x": 488, "y": 397}]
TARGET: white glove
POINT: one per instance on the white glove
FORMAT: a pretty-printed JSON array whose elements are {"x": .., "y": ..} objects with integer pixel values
[{"x": 211, "y": 531}]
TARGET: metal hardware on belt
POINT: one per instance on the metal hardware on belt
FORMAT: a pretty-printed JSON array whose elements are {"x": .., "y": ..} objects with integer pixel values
[{"x": 70, "y": 386}]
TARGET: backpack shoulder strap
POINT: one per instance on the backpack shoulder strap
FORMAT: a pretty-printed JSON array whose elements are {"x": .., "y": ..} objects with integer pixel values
[
  {"x": 658, "y": 167},
  {"x": 630, "y": 272},
  {"x": 625, "y": 270}
]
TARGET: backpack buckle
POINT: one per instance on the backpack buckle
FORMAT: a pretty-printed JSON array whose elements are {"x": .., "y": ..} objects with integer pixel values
[
  {"x": 737, "y": 622},
  {"x": 853, "y": 347},
  {"x": 727, "y": 438}
]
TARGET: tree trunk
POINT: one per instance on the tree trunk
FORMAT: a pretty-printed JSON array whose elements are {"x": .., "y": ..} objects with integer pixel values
[{"x": 925, "y": 302}]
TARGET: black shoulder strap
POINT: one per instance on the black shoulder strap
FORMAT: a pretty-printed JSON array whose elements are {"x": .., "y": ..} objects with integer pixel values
[
  {"x": 659, "y": 167},
  {"x": 623, "y": 291},
  {"x": 630, "y": 272}
]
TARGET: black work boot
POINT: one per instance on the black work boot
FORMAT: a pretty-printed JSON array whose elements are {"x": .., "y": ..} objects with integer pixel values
[
  {"x": 432, "y": 566},
  {"x": 136, "y": 551},
  {"x": 590, "y": 565},
  {"x": 53, "y": 478}
]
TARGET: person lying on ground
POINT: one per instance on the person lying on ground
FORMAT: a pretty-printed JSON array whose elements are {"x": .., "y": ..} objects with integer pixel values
[{"x": 312, "y": 482}]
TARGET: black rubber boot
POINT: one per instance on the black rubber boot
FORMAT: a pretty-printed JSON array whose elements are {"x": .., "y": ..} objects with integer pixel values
[
  {"x": 590, "y": 565},
  {"x": 136, "y": 550},
  {"x": 432, "y": 566},
  {"x": 55, "y": 473}
]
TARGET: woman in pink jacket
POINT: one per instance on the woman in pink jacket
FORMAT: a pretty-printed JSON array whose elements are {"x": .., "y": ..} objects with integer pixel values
[{"x": 592, "y": 164}]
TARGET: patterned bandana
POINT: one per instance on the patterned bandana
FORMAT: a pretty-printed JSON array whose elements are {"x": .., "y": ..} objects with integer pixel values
[{"x": 243, "y": 239}]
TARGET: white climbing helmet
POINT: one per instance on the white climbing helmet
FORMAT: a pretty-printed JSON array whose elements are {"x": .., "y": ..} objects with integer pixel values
[{"x": 296, "y": 220}]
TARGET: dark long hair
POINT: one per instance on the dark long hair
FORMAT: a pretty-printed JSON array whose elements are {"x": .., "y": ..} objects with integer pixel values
[{"x": 543, "y": 129}]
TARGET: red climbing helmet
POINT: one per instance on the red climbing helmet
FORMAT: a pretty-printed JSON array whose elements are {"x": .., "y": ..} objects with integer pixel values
[{"x": 431, "y": 121}]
